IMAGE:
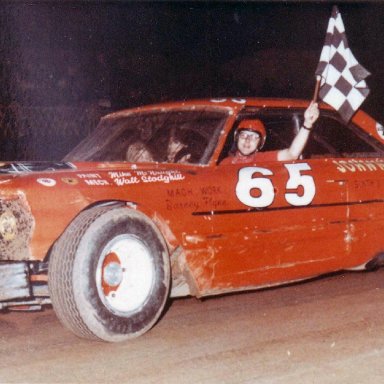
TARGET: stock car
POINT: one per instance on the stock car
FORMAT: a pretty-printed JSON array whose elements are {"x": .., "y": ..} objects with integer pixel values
[{"x": 120, "y": 225}]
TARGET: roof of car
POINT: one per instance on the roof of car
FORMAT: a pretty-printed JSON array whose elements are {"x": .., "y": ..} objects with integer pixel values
[{"x": 231, "y": 103}]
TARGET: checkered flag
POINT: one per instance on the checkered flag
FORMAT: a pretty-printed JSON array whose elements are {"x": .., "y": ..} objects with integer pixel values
[{"x": 342, "y": 78}]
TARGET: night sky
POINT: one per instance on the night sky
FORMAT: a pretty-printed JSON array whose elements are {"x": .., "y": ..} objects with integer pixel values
[{"x": 132, "y": 53}]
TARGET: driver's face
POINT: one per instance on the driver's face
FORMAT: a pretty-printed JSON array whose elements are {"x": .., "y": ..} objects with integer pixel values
[{"x": 248, "y": 142}]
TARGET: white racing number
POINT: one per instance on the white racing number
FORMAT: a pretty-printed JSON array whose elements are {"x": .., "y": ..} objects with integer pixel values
[
  {"x": 248, "y": 183},
  {"x": 256, "y": 190},
  {"x": 297, "y": 180}
]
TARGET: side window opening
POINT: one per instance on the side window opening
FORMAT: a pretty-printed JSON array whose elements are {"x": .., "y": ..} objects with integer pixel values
[
  {"x": 281, "y": 129},
  {"x": 332, "y": 138},
  {"x": 280, "y": 132}
]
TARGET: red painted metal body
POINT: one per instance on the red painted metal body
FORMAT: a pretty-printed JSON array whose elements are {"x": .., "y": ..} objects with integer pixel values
[{"x": 227, "y": 227}]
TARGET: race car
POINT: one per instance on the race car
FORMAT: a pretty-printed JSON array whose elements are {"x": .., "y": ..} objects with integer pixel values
[{"x": 145, "y": 210}]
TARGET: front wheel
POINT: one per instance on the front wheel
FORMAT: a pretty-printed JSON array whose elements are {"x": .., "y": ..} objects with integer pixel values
[{"x": 109, "y": 274}]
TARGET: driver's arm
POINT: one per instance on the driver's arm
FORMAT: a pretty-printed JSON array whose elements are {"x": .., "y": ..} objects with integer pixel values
[{"x": 296, "y": 148}]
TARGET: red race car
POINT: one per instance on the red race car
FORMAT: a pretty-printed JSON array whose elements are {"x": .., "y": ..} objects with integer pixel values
[{"x": 145, "y": 210}]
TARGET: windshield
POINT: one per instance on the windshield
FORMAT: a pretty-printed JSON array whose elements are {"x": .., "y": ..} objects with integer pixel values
[{"x": 161, "y": 136}]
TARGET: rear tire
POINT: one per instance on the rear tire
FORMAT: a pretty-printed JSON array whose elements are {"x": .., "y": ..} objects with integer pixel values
[{"x": 109, "y": 274}]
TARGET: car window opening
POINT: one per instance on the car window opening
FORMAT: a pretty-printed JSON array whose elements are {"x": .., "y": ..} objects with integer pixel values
[{"x": 330, "y": 137}]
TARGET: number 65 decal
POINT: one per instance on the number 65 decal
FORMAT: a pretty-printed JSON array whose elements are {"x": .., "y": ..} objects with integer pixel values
[{"x": 259, "y": 192}]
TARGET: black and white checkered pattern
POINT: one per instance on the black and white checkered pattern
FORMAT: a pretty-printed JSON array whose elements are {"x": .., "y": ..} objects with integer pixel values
[{"x": 342, "y": 78}]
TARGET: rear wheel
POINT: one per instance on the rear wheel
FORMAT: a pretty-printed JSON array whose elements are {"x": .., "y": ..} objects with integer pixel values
[{"x": 109, "y": 274}]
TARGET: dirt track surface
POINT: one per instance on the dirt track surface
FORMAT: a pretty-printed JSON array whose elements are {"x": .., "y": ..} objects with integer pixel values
[{"x": 329, "y": 330}]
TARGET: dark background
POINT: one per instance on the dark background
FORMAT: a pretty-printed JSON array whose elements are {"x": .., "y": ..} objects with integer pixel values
[{"x": 109, "y": 55}]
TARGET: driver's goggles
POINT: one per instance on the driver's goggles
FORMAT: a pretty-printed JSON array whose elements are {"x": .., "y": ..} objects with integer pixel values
[{"x": 248, "y": 135}]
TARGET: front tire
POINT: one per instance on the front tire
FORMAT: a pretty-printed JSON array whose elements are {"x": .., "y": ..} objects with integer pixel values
[{"x": 109, "y": 274}]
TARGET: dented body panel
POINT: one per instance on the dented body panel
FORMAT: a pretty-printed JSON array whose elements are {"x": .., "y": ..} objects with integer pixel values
[{"x": 227, "y": 227}]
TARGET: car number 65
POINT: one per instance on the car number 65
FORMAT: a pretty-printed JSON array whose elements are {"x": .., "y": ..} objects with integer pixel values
[{"x": 259, "y": 192}]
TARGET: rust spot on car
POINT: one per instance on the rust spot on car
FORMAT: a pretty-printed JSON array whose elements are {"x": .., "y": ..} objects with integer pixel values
[{"x": 16, "y": 227}]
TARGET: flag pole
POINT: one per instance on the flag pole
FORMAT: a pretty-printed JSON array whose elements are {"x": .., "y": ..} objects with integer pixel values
[{"x": 317, "y": 88}]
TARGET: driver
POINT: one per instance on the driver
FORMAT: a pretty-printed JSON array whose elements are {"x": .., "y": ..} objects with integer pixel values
[{"x": 250, "y": 137}]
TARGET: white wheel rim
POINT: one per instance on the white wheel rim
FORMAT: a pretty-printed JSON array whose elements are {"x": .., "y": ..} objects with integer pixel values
[{"x": 125, "y": 275}]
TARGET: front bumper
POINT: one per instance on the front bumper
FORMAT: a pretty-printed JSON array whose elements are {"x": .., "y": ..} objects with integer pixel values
[
  {"x": 23, "y": 285},
  {"x": 14, "y": 281}
]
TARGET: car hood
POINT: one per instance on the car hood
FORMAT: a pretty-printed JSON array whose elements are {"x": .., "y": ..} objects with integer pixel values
[
  {"x": 16, "y": 168},
  {"x": 36, "y": 166}
]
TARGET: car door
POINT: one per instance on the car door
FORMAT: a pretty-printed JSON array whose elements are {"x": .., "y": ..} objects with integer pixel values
[
  {"x": 266, "y": 224},
  {"x": 255, "y": 225},
  {"x": 277, "y": 221}
]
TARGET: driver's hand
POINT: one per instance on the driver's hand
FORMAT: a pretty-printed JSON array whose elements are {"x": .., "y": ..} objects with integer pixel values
[{"x": 311, "y": 114}]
